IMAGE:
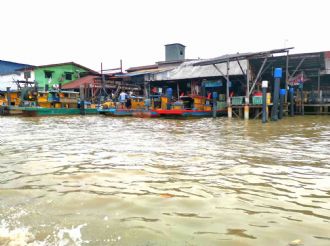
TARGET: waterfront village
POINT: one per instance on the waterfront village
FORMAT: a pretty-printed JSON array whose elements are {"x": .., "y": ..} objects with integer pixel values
[{"x": 265, "y": 84}]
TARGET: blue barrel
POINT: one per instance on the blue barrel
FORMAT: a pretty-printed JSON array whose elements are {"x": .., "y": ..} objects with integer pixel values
[
  {"x": 169, "y": 92},
  {"x": 278, "y": 73}
]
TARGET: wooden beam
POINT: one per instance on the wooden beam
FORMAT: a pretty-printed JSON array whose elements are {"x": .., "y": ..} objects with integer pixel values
[
  {"x": 222, "y": 74},
  {"x": 258, "y": 75},
  {"x": 298, "y": 66},
  {"x": 240, "y": 66}
]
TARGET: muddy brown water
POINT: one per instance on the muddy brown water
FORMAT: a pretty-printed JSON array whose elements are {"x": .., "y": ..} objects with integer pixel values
[{"x": 98, "y": 180}]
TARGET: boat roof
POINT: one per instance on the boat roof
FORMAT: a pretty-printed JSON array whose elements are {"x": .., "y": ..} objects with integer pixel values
[{"x": 60, "y": 91}]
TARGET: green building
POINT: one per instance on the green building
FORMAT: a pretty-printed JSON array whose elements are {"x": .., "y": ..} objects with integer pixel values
[{"x": 62, "y": 73}]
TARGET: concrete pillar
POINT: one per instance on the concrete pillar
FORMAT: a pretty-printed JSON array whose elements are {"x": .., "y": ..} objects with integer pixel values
[
  {"x": 277, "y": 76},
  {"x": 246, "y": 111},
  {"x": 230, "y": 112}
]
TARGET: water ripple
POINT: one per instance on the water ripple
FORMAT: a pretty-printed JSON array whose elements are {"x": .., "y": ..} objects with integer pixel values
[{"x": 176, "y": 181}]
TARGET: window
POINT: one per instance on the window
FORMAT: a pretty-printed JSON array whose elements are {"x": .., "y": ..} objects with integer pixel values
[
  {"x": 27, "y": 75},
  {"x": 181, "y": 52},
  {"x": 68, "y": 76},
  {"x": 48, "y": 74}
]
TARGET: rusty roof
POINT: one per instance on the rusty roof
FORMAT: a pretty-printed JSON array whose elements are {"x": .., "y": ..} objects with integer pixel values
[{"x": 81, "y": 81}]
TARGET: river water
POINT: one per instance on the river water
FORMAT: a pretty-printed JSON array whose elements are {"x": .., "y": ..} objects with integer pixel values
[{"x": 98, "y": 180}]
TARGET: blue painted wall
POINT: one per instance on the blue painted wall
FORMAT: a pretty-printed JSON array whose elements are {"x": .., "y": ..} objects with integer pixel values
[
  {"x": 7, "y": 67},
  {"x": 174, "y": 52}
]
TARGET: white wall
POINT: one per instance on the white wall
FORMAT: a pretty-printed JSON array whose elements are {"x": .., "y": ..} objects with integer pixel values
[
  {"x": 8, "y": 80},
  {"x": 21, "y": 76}
]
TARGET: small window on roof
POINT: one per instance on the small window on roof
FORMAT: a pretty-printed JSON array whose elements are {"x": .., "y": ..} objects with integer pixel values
[
  {"x": 68, "y": 76},
  {"x": 48, "y": 74}
]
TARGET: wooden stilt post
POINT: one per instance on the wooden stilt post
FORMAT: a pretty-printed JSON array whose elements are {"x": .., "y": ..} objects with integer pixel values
[
  {"x": 302, "y": 110},
  {"x": 286, "y": 75},
  {"x": 8, "y": 96},
  {"x": 264, "y": 101},
  {"x": 282, "y": 98},
  {"x": 247, "y": 94},
  {"x": 169, "y": 95},
  {"x": 319, "y": 85},
  {"x": 145, "y": 91},
  {"x": 291, "y": 101},
  {"x": 214, "y": 104},
  {"x": 36, "y": 93},
  {"x": 229, "y": 108},
  {"x": 82, "y": 100}
]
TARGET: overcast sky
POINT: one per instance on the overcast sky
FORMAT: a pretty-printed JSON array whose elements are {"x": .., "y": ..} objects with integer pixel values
[{"x": 41, "y": 32}]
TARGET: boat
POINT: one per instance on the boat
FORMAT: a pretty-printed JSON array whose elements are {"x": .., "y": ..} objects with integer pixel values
[
  {"x": 40, "y": 111},
  {"x": 192, "y": 106},
  {"x": 146, "y": 113},
  {"x": 13, "y": 102},
  {"x": 177, "y": 113},
  {"x": 136, "y": 108},
  {"x": 58, "y": 102}
]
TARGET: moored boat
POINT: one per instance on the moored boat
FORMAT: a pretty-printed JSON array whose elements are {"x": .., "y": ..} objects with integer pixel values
[
  {"x": 146, "y": 113},
  {"x": 58, "y": 102},
  {"x": 191, "y": 106},
  {"x": 13, "y": 102},
  {"x": 187, "y": 113},
  {"x": 134, "y": 106},
  {"x": 39, "y": 111}
]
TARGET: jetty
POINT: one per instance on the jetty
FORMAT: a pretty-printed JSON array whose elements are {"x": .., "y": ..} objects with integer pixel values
[{"x": 266, "y": 84}]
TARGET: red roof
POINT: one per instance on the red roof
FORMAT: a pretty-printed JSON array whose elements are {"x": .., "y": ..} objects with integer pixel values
[{"x": 78, "y": 82}]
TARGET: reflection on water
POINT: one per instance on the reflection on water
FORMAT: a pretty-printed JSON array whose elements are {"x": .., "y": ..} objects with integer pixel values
[{"x": 123, "y": 181}]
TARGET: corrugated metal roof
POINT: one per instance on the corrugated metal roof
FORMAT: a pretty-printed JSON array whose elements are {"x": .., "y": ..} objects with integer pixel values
[
  {"x": 142, "y": 72},
  {"x": 189, "y": 70},
  {"x": 240, "y": 56},
  {"x": 8, "y": 67}
]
